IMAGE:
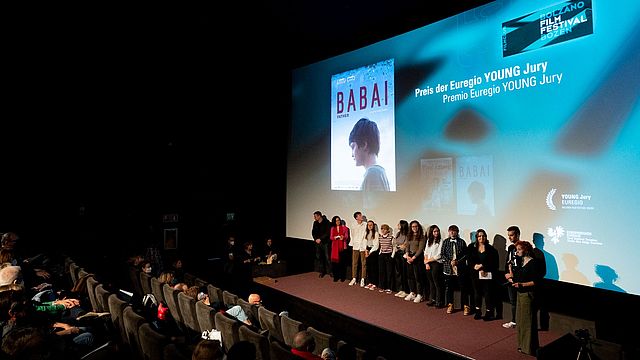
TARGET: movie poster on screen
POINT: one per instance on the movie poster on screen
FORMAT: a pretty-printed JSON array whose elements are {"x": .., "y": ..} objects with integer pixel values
[
  {"x": 474, "y": 185},
  {"x": 366, "y": 92},
  {"x": 437, "y": 177}
]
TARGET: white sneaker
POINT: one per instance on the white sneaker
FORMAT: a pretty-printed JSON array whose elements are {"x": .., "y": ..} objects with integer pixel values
[
  {"x": 410, "y": 297},
  {"x": 417, "y": 299},
  {"x": 352, "y": 282},
  {"x": 372, "y": 287},
  {"x": 509, "y": 325},
  {"x": 362, "y": 282},
  {"x": 401, "y": 294}
]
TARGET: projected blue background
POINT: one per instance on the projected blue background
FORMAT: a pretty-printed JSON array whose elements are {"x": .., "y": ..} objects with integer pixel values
[{"x": 561, "y": 143}]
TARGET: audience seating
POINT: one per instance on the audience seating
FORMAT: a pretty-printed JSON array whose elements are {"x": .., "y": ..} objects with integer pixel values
[
  {"x": 171, "y": 297},
  {"x": 132, "y": 322},
  {"x": 187, "y": 306},
  {"x": 92, "y": 283},
  {"x": 289, "y": 328},
  {"x": 152, "y": 343},
  {"x": 361, "y": 354},
  {"x": 259, "y": 341},
  {"x": 189, "y": 279},
  {"x": 281, "y": 352},
  {"x": 206, "y": 316},
  {"x": 215, "y": 294},
  {"x": 73, "y": 272},
  {"x": 156, "y": 289},
  {"x": 145, "y": 283},
  {"x": 229, "y": 328},
  {"x": 67, "y": 262},
  {"x": 144, "y": 342},
  {"x": 250, "y": 310},
  {"x": 270, "y": 321},
  {"x": 229, "y": 299},
  {"x": 345, "y": 350},
  {"x": 173, "y": 352},
  {"x": 81, "y": 273},
  {"x": 200, "y": 283},
  {"x": 102, "y": 298},
  {"x": 116, "y": 308},
  {"x": 323, "y": 340},
  {"x": 134, "y": 278}
]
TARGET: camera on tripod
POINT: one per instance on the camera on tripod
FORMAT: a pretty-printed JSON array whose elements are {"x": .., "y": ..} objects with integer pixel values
[
  {"x": 585, "y": 352},
  {"x": 583, "y": 335}
]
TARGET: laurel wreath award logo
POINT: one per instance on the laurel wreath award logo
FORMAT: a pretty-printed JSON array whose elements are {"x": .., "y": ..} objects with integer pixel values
[{"x": 550, "y": 203}]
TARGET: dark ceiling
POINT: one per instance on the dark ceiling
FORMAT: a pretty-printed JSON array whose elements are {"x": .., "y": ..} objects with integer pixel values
[
  {"x": 122, "y": 104},
  {"x": 318, "y": 30}
]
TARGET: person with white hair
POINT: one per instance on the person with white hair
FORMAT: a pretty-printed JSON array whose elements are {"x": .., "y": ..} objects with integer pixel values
[{"x": 11, "y": 274}]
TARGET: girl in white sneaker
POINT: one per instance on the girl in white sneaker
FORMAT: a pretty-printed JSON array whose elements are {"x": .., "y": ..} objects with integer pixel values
[
  {"x": 415, "y": 261},
  {"x": 385, "y": 259},
  {"x": 371, "y": 254}
]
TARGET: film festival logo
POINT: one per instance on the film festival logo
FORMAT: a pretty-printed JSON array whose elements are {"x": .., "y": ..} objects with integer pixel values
[{"x": 562, "y": 22}]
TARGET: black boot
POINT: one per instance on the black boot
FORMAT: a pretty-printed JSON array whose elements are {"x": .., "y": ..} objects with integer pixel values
[{"x": 488, "y": 316}]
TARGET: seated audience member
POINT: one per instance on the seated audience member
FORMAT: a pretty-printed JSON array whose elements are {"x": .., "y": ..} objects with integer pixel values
[
  {"x": 242, "y": 350},
  {"x": 237, "y": 312},
  {"x": 167, "y": 277},
  {"x": 328, "y": 354},
  {"x": 14, "y": 315},
  {"x": 31, "y": 343},
  {"x": 6, "y": 258},
  {"x": 207, "y": 350},
  {"x": 192, "y": 292},
  {"x": 136, "y": 260},
  {"x": 270, "y": 252},
  {"x": 80, "y": 291},
  {"x": 178, "y": 270},
  {"x": 147, "y": 268},
  {"x": 204, "y": 297},
  {"x": 78, "y": 338},
  {"x": 215, "y": 305},
  {"x": 11, "y": 275},
  {"x": 180, "y": 287},
  {"x": 255, "y": 301},
  {"x": 33, "y": 266},
  {"x": 303, "y": 345}
]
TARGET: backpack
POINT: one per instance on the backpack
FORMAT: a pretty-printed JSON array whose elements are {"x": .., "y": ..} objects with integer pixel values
[{"x": 149, "y": 307}]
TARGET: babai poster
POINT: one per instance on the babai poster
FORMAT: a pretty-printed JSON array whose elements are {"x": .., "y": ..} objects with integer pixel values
[
  {"x": 474, "y": 180},
  {"x": 363, "y": 112},
  {"x": 437, "y": 177}
]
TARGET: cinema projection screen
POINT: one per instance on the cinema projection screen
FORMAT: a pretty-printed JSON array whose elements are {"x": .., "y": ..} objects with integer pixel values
[{"x": 514, "y": 113}]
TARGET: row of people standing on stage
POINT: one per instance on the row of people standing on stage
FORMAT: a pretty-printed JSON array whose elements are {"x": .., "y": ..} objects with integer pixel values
[{"x": 420, "y": 265}]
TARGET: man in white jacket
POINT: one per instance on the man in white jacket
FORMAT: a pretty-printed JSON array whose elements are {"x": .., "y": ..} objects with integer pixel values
[{"x": 358, "y": 245}]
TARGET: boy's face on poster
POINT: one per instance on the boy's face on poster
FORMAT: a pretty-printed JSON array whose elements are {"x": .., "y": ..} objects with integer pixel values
[{"x": 357, "y": 153}]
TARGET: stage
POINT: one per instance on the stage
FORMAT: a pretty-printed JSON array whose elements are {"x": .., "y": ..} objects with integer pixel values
[{"x": 388, "y": 325}]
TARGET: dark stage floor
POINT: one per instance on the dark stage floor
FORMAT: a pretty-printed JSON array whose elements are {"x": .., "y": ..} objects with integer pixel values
[{"x": 460, "y": 334}]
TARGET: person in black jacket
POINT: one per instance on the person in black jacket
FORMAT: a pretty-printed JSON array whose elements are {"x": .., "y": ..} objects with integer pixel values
[
  {"x": 321, "y": 233},
  {"x": 483, "y": 261}
]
